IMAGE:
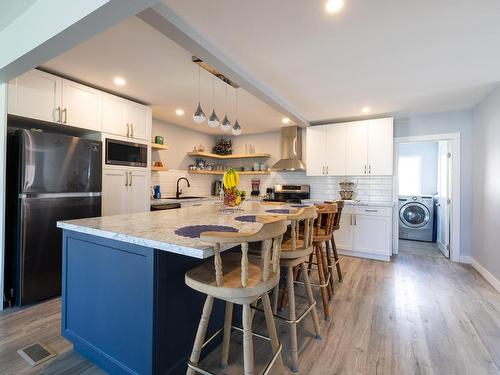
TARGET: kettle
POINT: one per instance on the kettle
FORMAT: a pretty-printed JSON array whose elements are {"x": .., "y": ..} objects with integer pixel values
[{"x": 156, "y": 192}]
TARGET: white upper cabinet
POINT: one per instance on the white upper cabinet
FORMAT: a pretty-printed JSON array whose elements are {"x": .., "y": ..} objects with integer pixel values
[
  {"x": 113, "y": 120},
  {"x": 380, "y": 147},
  {"x": 81, "y": 106},
  {"x": 316, "y": 150},
  {"x": 357, "y": 148},
  {"x": 350, "y": 149},
  {"x": 336, "y": 150},
  {"x": 44, "y": 96},
  {"x": 137, "y": 116},
  {"x": 37, "y": 95},
  {"x": 125, "y": 118}
]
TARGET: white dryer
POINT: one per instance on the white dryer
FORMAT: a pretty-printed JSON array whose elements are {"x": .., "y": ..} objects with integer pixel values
[{"x": 416, "y": 217}]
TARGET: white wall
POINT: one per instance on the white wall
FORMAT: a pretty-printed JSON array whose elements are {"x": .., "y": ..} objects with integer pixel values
[
  {"x": 441, "y": 123},
  {"x": 428, "y": 153},
  {"x": 486, "y": 187},
  {"x": 180, "y": 141}
]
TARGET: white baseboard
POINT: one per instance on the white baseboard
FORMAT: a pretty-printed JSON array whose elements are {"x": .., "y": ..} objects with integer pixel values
[
  {"x": 358, "y": 254},
  {"x": 485, "y": 273},
  {"x": 465, "y": 259}
]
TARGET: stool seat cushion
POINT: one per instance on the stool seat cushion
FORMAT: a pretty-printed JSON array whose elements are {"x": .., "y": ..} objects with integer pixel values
[
  {"x": 202, "y": 278},
  {"x": 300, "y": 251}
]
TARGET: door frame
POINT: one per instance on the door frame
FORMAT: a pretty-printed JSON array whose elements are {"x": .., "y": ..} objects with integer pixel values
[{"x": 454, "y": 138}]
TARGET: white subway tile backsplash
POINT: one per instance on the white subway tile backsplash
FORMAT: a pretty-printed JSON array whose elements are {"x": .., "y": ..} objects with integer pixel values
[{"x": 374, "y": 189}]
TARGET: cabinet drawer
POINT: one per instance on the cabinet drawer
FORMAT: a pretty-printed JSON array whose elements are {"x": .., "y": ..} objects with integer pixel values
[{"x": 373, "y": 211}]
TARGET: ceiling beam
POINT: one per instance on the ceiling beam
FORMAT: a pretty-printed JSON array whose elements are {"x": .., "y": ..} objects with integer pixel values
[{"x": 163, "y": 19}]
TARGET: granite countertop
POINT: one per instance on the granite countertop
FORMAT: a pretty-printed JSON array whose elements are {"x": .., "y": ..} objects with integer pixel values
[
  {"x": 157, "y": 229},
  {"x": 175, "y": 200},
  {"x": 197, "y": 199},
  {"x": 353, "y": 203}
]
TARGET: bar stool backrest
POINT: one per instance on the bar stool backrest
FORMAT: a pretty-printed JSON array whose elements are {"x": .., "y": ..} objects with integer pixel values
[
  {"x": 323, "y": 227},
  {"x": 307, "y": 216},
  {"x": 340, "y": 206},
  {"x": 270, "y": 235}
]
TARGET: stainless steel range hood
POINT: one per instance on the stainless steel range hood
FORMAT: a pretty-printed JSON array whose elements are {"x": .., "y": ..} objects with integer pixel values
[{"x": 291, "y": 150}]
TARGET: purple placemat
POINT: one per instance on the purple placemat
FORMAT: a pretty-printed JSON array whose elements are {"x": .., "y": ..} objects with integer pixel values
[
  {"x": 247, "y": 218},
  {"x": 279, "y": 211},
  {"x": 194, "y": 231}
]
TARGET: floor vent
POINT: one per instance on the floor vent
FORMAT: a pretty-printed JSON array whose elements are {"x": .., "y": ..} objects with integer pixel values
[{"x": 36, "y": 353}]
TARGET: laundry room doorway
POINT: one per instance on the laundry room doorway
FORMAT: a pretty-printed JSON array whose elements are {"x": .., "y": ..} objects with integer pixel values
[{"x": 427, "y": 192}]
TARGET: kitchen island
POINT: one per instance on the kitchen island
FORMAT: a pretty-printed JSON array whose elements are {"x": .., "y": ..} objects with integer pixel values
[{"x": 125, "y": 306}]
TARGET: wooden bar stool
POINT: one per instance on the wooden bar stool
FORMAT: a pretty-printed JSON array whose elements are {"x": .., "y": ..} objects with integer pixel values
[
  {"x": 241, "y": 279},
  {"x": 332, "y": 245},
  {"x": 323, "y": 229},
  {"x": 294, "y": 253}
]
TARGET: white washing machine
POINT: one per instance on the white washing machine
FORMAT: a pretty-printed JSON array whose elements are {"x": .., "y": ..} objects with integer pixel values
[{"x": 416, "y": 217}]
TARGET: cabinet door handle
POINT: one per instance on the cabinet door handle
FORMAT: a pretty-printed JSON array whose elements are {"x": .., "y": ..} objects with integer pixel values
[
  {"x": 58, "y": 109},
  {"x": 371, "y": 210},
  {"x": 365, "y": 168},
  {"x": 65, "y": 111},
  {"x": 355, "y": 220},
  {"x": 350, "y": 220},
  {"x": 327, "y": 169},
  {"x": 369, "y": 168},
  {"x": 126, "y": 178},
  {"x": 132, "y": 130},
  {"x": 128, "y": 130},
  {"x": 130, "y": 178}
]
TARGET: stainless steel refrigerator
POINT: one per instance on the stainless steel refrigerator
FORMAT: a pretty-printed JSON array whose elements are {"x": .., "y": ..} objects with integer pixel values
[{"x": 50, "y": 177}]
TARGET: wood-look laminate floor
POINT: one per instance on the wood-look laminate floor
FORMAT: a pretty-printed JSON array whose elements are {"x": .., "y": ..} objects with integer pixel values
[
  {"x": 420, "y": 248},
  {"x": 415, "y": 315}
]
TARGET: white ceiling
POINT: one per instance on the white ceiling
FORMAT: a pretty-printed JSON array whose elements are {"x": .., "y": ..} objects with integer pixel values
[
  {"x": 160, "y": 73},
  {"x": 13, "y": 9},
  {"x": 394, "y": 56}
]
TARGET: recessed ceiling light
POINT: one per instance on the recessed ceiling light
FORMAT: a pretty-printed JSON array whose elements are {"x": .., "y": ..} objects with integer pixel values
[
  {"x": 285, "y": 120},
  {"x": 119, "y": 81},
  {"x": 333, "y": 6},
  {"x": 179, "y": 112},
  {"x": 366, "y": 109}
]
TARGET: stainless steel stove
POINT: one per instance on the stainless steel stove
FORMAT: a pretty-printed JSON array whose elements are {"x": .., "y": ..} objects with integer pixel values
[{"x": 290, "y": 193}]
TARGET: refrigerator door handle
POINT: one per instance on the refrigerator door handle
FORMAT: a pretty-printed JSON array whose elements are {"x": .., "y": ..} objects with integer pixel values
[{"x": 58, "y": 195}]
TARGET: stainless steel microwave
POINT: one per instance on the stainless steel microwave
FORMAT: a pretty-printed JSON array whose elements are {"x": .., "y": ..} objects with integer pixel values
[{"x": 126, "y": 153}]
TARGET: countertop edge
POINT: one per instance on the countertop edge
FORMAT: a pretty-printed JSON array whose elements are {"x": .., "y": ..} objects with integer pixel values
[{"x": 163, "y": 246}]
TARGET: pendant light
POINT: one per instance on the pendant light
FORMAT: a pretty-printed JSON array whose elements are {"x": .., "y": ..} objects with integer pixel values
[
  {"x": 213, "y": 120},
  {"x": 236, "y": 130},
  {"x": 199, "y": 116},
  {"x": 226, "y": 124}
]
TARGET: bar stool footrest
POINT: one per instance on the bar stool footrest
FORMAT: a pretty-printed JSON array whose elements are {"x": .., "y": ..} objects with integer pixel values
[
  {"x": 203, "y": 371},
  {"x": 286, "y": 320}
]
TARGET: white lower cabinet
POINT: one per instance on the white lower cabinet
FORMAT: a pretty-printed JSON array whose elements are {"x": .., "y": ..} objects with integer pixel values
[
  {"x": 365, "y": 231},
  {"x": 124, "y": 191}
]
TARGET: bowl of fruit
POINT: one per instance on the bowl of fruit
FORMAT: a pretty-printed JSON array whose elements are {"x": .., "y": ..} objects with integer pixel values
[{"x": 232, "y": 195}]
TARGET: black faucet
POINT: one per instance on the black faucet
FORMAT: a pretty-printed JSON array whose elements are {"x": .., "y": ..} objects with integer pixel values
[{"x": 177, "y": 191}]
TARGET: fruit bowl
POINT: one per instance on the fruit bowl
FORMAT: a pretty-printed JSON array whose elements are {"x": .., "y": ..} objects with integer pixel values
[{"x": 231, "y": 197}]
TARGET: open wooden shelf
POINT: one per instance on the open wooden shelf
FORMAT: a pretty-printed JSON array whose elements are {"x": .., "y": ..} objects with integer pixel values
[
  {"x": 220, "y": 173},
  {"x": 232, "y": 156},
  {"x": 159, "y": 169},
  {"x": 157, "y": 146}
]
